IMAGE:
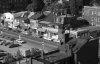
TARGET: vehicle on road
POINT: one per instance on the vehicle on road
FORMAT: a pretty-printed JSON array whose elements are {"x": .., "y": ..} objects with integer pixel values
[{"x": 20, "y": 41}]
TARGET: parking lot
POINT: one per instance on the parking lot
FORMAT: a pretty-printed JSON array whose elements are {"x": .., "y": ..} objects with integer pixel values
[
  {"x": 9, "y": 50},
  {"x": 26, "y": 45}
]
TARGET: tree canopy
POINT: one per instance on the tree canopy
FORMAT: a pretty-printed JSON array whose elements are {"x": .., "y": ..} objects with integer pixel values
[{"x": 36, "y": 5}]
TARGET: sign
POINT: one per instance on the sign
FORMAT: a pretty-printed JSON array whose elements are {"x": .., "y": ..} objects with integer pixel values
[{"x": 92, "y": 15}]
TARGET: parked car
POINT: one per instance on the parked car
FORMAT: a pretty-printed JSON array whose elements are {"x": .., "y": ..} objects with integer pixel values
[
  {"x": 1, "y": 58},
  {"x": 19, "y": 41},
  {"x": 14, "y": 45},
  {"x": 7, "y": 43},
  {"x": 2, "y": 42}
]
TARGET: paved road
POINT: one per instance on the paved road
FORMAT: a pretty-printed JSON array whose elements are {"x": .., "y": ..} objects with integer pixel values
[
  {"x": 31, "y": 42},
  {"x": 36, "y": 39}
]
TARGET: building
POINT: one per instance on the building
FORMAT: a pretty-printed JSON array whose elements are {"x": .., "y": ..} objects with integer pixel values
[
  {"x": 9, "y": 17},
  {"x": 50, "y": 28},
  {"x": 34, "y": 26}
]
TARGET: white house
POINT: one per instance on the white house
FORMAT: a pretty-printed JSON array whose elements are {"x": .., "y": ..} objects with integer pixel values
[{"x": 9, "y": 17}]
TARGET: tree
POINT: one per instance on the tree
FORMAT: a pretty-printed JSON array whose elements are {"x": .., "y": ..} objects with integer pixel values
[
  {"x": 18, "y": 55},
  {"x": 57, "y": 7},
  {"x": 95, "y": 3},
  {"x": 8, "y": 59},
  {"x": 36, "y": 6}
]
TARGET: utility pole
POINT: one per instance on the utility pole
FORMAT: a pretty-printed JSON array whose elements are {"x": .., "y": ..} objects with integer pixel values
[{"x": 42, "y": 51}]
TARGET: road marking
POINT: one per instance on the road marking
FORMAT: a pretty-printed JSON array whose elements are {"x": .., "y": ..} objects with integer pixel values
[{"x": 31, "y": 40}]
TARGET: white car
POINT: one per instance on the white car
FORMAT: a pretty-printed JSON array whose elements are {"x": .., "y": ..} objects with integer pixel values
[{"x": 20, "y": 41}]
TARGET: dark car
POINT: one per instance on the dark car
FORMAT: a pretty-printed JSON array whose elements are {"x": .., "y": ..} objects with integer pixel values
[
  {"x": 3, "y": 54},
  {"x": 14, "y": 45},
  {"x": 1, "y": 58},
  {"x": 7, "y": 43},
  {"x": 3, "y": 42}
]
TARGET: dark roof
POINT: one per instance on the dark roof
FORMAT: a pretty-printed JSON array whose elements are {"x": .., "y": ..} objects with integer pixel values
[{"x": 49, "y": 18}]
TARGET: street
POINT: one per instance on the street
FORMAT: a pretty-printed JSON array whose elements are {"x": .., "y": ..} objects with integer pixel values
[{"x": 32, "y": 42}]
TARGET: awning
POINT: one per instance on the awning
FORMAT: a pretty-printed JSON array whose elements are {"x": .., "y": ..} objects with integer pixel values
[{"x": 41, "y": 29}]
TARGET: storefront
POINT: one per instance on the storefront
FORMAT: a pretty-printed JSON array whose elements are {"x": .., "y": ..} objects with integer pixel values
[
  {"x": 33, "y": 25},
  {"x": 40, "y": 32},
  {"x": 51, "y": 34}
]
